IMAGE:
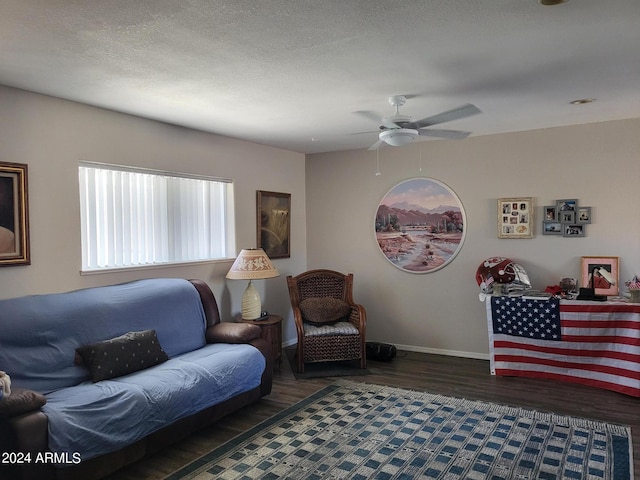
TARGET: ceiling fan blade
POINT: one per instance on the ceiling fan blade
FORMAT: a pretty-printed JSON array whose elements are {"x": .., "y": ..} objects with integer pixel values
[
  {"x": 461, "y": 112},
  {"x": 389, "y": 124},
  {"x": 450, "y": 134},
  {"x": 376, "y": 145},
  {"x": 373, "y": 116},
  {"x": 369, "y": 115},
  {"x": 363, "y": 133}
]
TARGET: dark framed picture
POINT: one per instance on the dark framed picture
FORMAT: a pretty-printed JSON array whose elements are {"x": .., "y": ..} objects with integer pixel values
[
  {"x": 600, "y": 273},
  {"x": 583, "y": 215},
  {"x": 274, "y": 223},
  {"x": 14, "y": 215},
  {"x": 515, "y": 217},
  {"x": 551, "y": 228}
]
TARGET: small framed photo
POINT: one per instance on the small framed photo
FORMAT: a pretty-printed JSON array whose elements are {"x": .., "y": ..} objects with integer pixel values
[
  {"x": 567, "y": 217},
  {"x": 515, "y": 217},
  {"x": 14, "y": 215},
  {"x": 274, "y": 223},
  {"x": 551, "y": 228},
  {"x": 550, "y": 213},
  {"x": 601, "y": 274},
  {"x": 567, "y": 205},
  {"x": 573, "y": 230},
  {"x": 583, "y": 215}
]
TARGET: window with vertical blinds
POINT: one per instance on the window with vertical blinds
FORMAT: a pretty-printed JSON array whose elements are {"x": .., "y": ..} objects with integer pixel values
[{"x": 132, "y": 217}]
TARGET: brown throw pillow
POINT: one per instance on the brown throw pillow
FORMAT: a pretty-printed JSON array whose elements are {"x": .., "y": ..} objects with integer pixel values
[
  {"x": 324, "y": 310},
  {"x": 227, "y": 332},
  {"x": 20, "y": 401},
  {"x": 119, "y": 356}
]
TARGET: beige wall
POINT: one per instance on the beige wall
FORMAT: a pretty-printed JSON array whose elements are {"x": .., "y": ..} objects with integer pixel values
[
  {"x": 53, "y": 135},
  {"x": 334, "y": 200},
  {"x": 599, "y": 164}
]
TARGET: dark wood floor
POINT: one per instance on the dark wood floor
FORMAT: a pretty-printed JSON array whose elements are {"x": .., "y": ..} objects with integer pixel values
[{"x": 459, "y": 377}]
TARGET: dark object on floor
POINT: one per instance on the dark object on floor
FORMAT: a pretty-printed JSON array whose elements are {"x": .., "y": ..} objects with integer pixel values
[{"x": 383, "y": 352}]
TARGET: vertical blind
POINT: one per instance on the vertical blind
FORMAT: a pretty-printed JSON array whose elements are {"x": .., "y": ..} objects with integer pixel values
[{"x": 132, "y": 217}]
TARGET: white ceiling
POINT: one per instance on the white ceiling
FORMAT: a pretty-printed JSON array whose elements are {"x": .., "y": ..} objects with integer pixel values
[{"x": 293, "y": 73}]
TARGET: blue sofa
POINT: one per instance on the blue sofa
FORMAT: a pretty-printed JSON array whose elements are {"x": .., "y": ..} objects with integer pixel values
[{"x": 103, "y": 376}]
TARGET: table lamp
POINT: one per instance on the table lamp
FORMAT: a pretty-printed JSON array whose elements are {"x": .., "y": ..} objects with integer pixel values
[
  {"x": 589, "y": 293},
  {"x": 252, "y": 264}
]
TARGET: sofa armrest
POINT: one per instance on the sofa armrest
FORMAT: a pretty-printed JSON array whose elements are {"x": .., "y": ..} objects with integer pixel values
[
  {"x": 227, "y": 332},
  {"x": 24, "y": 434},
  {"x": 20, "y": 401}
]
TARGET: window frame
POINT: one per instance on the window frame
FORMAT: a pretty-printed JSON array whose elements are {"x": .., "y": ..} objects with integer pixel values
[{"x": 228, "y": 220}]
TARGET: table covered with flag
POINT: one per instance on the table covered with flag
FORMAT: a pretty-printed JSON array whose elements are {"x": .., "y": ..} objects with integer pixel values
[{"x": 592, "y": 343}]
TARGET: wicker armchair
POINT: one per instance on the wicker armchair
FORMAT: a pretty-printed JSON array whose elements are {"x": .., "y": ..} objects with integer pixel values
[{"x": 344, "y": 340}]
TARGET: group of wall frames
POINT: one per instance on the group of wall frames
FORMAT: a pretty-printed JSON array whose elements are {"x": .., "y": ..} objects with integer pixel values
[{"x": 566, "y": 218}]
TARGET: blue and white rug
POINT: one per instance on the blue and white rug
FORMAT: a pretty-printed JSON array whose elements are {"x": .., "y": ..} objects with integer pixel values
[{"x": 360, "y": 431}]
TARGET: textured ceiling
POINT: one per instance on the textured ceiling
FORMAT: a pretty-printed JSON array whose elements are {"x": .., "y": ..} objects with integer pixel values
[{"x": 292, "y": 74}]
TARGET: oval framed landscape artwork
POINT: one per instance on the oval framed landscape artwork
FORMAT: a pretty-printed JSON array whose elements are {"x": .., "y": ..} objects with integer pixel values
[{"x": 420, "y": 225}]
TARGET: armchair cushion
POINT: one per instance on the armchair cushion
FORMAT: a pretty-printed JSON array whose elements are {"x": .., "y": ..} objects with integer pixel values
[
  {"x": 20, "y": 401},
  {"x": 324, "y": 310},
  {"x": 338, "y": 328}
]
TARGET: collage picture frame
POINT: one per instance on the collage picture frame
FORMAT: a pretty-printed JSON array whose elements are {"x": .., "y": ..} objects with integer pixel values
[
  {"x": 515, "y": 217},
  {"x": 566, "y": 218}
]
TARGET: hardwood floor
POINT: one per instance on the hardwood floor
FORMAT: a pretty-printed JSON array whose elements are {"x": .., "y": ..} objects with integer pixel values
[{"x": 459, "y": 377}]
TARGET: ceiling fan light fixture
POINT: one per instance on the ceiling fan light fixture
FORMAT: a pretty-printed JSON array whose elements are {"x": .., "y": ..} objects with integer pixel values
[
  {"x": 398, "y": 136},
  {"x": 582, "y": 101},
  {"x": 550, "y": 3}
]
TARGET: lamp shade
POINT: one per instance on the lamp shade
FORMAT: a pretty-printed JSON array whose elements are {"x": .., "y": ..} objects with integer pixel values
[{"x": 252, "y": 264}]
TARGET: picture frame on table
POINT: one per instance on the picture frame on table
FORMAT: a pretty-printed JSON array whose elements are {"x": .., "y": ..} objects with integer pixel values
[
  {"x": 583, "y": 215},
  {"x": 14, "y": 215},
  {"x": 604, "y": 271},
  {"x": 515, "y": 217},
  {"x": 273, "y": 215}
]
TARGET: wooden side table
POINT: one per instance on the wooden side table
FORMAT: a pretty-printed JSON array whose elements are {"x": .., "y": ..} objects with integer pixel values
[{"x": 272, "y": 333}]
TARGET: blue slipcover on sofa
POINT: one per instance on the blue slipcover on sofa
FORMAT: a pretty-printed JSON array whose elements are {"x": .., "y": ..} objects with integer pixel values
[{"x": 123, "y": 369}]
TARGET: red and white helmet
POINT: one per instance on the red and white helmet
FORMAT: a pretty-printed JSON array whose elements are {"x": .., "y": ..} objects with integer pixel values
[{"x": 501, "y": 270}]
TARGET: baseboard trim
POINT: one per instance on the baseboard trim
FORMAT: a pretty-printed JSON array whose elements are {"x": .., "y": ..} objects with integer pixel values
[
  {"x": 434, "y": 351},
  {"x": 449, "y": 353}
]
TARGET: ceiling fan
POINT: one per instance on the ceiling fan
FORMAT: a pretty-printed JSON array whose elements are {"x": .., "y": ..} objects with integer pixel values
[{"x": 398, "y": 129}]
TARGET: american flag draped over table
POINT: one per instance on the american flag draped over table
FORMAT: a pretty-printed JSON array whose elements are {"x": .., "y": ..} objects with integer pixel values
[{"x": 593, "y": 343}]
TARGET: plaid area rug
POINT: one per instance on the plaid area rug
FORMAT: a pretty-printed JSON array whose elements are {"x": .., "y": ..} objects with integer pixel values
[{"x": 361, "y": 431}]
